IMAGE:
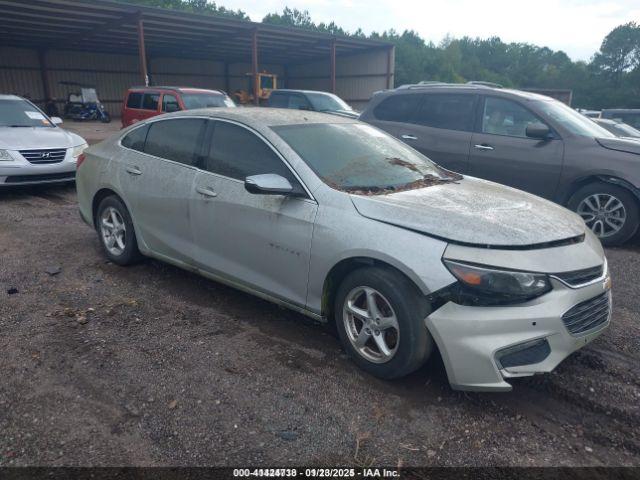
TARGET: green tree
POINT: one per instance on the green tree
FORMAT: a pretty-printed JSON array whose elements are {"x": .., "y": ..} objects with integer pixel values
[{"x": 195, "y": 6}]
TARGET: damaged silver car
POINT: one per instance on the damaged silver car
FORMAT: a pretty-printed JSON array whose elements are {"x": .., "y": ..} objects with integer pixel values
[{"x": 342, "y": 222}]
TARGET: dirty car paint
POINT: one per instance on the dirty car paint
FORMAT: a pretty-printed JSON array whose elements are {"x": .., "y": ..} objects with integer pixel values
[{"x": 476, "y": 212}]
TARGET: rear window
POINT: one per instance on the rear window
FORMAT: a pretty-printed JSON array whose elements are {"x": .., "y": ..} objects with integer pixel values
[
  {"x": 397, "y": 108},
  {"x": 150, "y": 101},
  {"x": 134, "y": 100},
  {"x": 135, "y": 139},
  {"x": 175, "y": 140},
  {"x": 193, "y": 101}
]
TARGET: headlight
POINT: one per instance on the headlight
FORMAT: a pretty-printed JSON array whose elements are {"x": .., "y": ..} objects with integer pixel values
[
  {"x": 493, "y": 286},
  {"x": 77, "y": 151},
  {"x": 5, "y": 156}
]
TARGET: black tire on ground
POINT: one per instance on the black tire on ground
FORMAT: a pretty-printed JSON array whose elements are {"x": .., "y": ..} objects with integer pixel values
[
  {"x": 130, "y": 254},
  {"x": 106, "y": 118},
  {"x": 629, "y": 201},
  {"x": 411, "y": 308}
]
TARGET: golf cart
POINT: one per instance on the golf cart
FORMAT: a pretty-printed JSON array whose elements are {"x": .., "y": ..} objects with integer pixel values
[{"x": 83, "y": 104}]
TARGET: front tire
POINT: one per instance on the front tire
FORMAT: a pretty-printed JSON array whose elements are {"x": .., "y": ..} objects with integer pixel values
[
  {"x": 116, "y": 232},
  {"x": 610, "y": 211},
  {"x": 379, "y": 316}
]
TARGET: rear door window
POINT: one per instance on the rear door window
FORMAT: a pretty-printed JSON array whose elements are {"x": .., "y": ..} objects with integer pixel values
[
  {"x": 178, "y": 139},
  {"x": 299, "y": 102},
  {"x": 134, "y": 100},
  {"x": 170, "y": 103},
  {"x": 279, "y": 100},
  {"x": 136, "y": 138},
  {"x": 150, "y": 101},
  {"x": 448, "y": 111},
  {"x": 397, "y": 108}
]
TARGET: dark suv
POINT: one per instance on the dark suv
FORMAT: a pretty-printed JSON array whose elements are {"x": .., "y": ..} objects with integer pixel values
[{"x": 523, "y": 140}]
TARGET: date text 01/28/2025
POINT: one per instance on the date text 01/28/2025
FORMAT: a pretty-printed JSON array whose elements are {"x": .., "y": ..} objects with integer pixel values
[{"x": 317, "y": 472}]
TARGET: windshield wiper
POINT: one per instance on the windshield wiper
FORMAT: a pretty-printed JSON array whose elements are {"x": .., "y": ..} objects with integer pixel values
[{"x": 17, "y": 126}]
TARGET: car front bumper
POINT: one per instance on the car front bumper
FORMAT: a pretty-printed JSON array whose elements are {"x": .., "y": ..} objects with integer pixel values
[
  {"x": 21, "y": 172},
  {"x": 471, "y": 338}
]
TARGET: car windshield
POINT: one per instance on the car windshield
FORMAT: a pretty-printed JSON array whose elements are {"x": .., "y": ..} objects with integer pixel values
[
  {"x": 20, "y": 113},
  {"x": 361, "y": 159},
  {"x": 206, "y": 100},
  {"x": 621, "y": 129},
  {"x": 326, "y": 102},
  {"x": 573, "y": 121}
]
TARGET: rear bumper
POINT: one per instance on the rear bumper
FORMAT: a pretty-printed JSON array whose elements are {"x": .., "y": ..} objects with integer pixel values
[{"x": 471, "y": 339}]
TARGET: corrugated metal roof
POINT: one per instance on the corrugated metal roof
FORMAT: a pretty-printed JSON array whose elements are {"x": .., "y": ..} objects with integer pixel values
[{"x": 111, "y": 27}]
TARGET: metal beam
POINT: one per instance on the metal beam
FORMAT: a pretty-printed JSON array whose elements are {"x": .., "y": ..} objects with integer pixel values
[
  {"x": 390, "y": 53},
  {"x": 42, "y": 62},
  {"x": 254, "y": 65},
  {"x": 332, "y": 64},
  {"x": 142, "y": 52}
]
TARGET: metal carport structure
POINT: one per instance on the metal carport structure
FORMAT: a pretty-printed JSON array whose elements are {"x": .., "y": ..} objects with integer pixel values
[{"x": 116, "y": 45}]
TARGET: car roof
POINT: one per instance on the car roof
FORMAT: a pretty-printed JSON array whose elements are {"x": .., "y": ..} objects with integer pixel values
[
  {"x": 466, "y": 88},
  {"x": 621, "y": 110},
  {"x": 259, "y": 117},
  {"x": 606, "y": 121},
  {"x": 292, "y": 90},
  {"x": 177, "y": 89},
  {"x": 10, "y": 97}
]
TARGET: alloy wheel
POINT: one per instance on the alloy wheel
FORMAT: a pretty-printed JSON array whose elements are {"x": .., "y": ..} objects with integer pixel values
[
  {"x": 371, "y": 324},
  {"x": 603, "y": 213},
  {"x": 113, "y": 230}
]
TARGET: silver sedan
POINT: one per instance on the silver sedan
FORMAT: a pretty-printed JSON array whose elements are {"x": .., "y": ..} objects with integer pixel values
[{"x": 341, "y": 222}]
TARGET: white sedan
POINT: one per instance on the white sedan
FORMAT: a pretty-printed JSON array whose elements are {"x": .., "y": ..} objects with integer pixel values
[{"x": 33, "y": 149}]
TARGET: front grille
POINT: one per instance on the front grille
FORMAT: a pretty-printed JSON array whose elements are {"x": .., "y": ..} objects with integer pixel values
[
  {"x": 580, "y": 277},
  {"x": 587, "y": 316},
  {"x": 44, "y": 156},
  {"x": 16, "y": 179}
]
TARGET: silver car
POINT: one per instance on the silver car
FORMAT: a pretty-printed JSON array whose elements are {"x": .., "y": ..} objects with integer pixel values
[
  {"x": 340, "y": 221},
  {"x": 33, "y": 149}
]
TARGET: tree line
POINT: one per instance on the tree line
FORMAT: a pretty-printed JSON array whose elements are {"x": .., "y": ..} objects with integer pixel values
[{"x": 611, "y": 79}]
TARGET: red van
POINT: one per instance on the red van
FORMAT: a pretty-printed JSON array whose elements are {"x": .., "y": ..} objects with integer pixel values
[{"x": 145, "y": 102}]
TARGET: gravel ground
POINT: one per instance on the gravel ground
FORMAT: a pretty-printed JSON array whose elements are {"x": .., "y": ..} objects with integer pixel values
[{"x": 151, "y": 365}]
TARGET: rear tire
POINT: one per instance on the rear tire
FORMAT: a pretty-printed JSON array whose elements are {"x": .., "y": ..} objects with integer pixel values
[
  {"x": 116, "y": 232},
  {"x": 393, "y": 341},
  {"x": 610, "y": 211}
]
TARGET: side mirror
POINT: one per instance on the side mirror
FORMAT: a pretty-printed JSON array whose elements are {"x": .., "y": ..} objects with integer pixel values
[
  {"x": 173, "y": 107},
  {"x": 56, "y": 120},
  {"x": 538, "y": 130},
  {"x": 268, "y": 184}
]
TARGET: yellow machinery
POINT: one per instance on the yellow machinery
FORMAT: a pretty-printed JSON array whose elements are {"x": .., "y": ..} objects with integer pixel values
[{"x": 267, "y": 82}]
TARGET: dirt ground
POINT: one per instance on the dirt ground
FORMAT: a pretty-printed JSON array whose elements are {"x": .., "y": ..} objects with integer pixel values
[{"x": 151, "y": 365}]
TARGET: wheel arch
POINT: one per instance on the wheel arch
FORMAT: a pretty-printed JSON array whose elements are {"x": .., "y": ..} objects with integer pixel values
[
  {"x": 603, "y": 178},
  {"x": 341, "y": 269}
]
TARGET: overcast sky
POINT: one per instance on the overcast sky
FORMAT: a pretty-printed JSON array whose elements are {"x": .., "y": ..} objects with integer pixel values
[{"x": 575, "y": 26}]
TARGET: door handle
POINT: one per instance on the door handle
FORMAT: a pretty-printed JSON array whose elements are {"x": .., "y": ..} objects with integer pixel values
[
  {"x": 207, "y": 192},
  {"x": 408, "y": 137},
  {"x": 483, "y": 146},
  {"x": 134, "y": 170}
]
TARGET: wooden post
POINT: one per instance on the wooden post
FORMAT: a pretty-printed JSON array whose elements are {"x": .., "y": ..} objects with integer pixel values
[
  {"x": 332, "y": 60},
  {"x": 390, "y": 53},
  {"x": 142, "y": 52},
  {"x": 43, "y": 75},
  {"x": 254, "y": 65}
]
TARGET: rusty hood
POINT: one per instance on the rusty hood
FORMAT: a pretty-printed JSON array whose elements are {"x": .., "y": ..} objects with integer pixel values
[{"x": 474, "y": 211}]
